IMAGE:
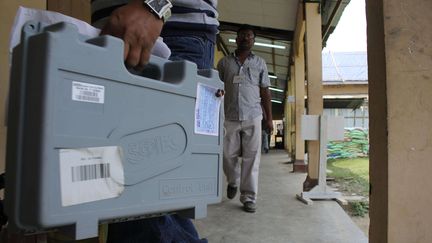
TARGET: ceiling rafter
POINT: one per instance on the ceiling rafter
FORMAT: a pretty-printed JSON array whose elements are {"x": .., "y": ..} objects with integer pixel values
[{"x": 271, "y": 33}]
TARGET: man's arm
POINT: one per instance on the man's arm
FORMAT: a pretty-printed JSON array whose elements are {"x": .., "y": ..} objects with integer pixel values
[
  {"x": 220, "y": 68},
  {"x": 266, "y": 95},
  {"x": 138, "y": 28},
  {"x": 266, "y": 104}
]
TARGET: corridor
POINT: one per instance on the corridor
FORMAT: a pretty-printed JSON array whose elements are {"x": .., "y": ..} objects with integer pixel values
[{"x": 280, "y": 217}]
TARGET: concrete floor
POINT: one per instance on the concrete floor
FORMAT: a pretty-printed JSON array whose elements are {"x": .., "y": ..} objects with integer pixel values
[{"x": 280, "y": 217}]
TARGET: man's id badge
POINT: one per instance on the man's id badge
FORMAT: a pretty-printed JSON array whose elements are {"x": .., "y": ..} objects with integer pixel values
[{"x": 237, "y": 79}]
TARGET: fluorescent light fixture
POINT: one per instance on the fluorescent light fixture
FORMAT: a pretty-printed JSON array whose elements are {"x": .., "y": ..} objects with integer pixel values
[
  {"x": 272, "y": 76},
  {"x": 264, "y": 44},
  {"x": 275, "y": 89},
  {"x": 270, "y": 45},
  {"x": 276, "y": 101},
  {"x": 354, "y": 96}
]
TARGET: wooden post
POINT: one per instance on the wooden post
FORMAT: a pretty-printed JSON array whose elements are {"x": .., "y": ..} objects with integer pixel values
[
  {"x": 314, "y": 83},
  {"x": 299, "y": 86},
  {"x": 79, "y": 9}
]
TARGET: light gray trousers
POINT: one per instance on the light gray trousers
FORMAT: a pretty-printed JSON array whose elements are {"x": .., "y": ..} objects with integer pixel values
[{"x": 243, "y": 139}]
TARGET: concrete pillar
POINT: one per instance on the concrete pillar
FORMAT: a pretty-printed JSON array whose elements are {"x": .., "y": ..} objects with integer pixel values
[
  {"x": 313, "y": 42},
  {"x": 400, "y": 106},
  {"x": 289, "y": 135},
  {"x": 299, "y": 69},
  {"x": 8, "y": 9},
  {"x": 218, "y": 55},
  {"x": 299, "y": 87}
]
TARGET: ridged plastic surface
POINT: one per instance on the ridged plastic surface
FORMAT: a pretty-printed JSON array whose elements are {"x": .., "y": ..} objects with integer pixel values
[{"x": 90, "y": 142}]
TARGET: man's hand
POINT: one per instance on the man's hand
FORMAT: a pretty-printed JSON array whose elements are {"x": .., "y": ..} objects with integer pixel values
[
  {"x": 269, "y": 124},
  {"x": 220, "y": 93},
  {"x": 267, "y": 107},
  {"x": 138, "y": 28}
]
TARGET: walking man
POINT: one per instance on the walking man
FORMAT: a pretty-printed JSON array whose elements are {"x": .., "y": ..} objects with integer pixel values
[{"x": 246, "y": 85}]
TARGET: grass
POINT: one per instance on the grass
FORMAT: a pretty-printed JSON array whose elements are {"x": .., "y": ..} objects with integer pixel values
[
  {"x": 358, "y": 166},
  {"x": 359, "y": 209},
  {"x": 351, "y": 176}
]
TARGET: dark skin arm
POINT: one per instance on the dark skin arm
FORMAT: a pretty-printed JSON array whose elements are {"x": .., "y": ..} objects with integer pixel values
[
  {"x": 138, "y": 28},
  {"x": 266, "y": 103}
]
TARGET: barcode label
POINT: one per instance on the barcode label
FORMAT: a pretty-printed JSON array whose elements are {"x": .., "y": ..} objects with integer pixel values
[
  {"x": 88, "y": 98},
  {"x": 88, "y": 92},
  {"x": 90, "y": 172}
]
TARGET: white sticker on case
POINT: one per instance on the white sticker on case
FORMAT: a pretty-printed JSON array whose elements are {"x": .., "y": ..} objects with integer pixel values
[
  {"x": 90, "y": 174},
  {"x": 85, "y": 92}
]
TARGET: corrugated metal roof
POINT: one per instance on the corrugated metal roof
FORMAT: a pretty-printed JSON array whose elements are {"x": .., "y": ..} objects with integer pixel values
[{"x": 345, "y": 66}]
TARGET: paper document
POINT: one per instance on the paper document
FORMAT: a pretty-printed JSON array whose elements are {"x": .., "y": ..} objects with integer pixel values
[
  {"x": 24, "y": 15},
  {"x": 207, "y": 108}
]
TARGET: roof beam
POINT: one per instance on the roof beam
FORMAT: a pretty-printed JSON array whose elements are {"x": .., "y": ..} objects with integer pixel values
[
  {"x": 329, "y": 22},
  {"x": 299, "y": 30},
  {"x": 271, "y": 33}
]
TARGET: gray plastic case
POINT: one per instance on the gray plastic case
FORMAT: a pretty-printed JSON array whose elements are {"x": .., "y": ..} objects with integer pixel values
[{"x": 148, "y": 118}]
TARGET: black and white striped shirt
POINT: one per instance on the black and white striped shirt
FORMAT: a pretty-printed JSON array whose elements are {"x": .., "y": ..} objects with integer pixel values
[{"x": 197, "y": 17}]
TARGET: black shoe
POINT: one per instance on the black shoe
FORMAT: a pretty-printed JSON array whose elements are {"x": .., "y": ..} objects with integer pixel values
[
  {"x": 231, "y": 192},
  {"x": 249, "y": 207}
]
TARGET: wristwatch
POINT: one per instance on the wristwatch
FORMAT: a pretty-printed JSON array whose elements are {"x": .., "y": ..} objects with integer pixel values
[{"x": 160, "y": 8}]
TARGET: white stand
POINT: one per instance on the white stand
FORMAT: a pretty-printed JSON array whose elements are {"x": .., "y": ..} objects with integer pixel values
[{"x": 322, "y": 191}]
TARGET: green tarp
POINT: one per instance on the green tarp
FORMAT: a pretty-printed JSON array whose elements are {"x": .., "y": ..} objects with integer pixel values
[{"x": 355, "y": 144}]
